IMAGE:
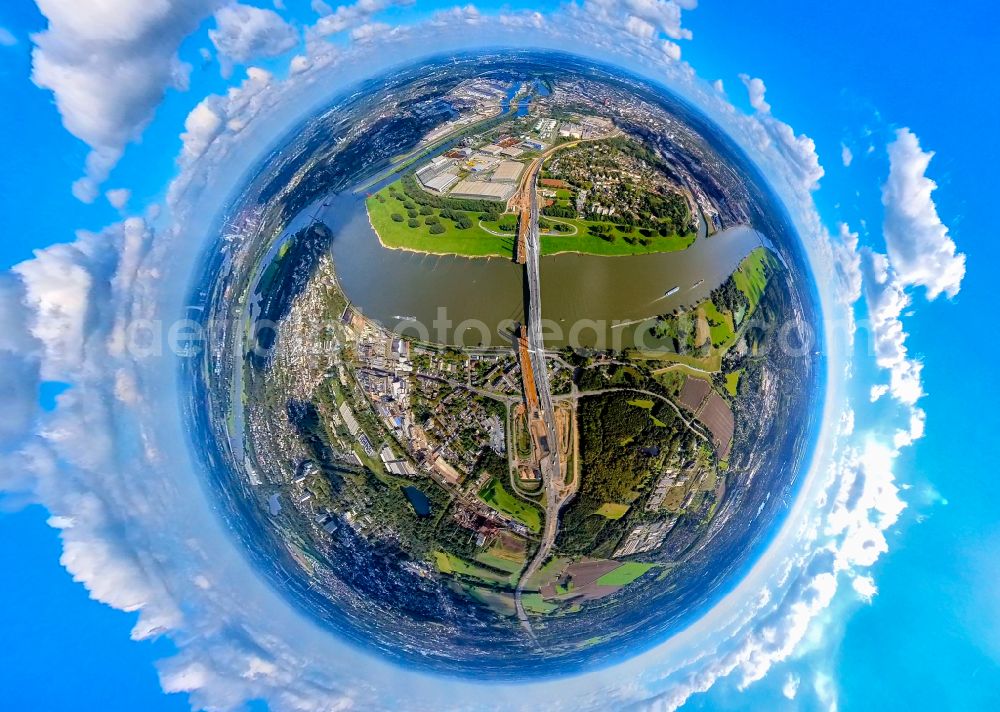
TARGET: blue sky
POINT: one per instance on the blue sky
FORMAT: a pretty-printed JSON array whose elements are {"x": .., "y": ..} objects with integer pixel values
[{"x": 833, "y": 70}]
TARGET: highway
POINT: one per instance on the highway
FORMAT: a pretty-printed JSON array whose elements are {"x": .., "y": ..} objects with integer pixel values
[
  {"x": 550, "y": 467},
  {"x": 528, "y": 252}
]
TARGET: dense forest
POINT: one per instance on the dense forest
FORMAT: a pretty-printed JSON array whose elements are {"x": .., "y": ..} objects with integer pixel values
[{"x": 618, "y": 443}]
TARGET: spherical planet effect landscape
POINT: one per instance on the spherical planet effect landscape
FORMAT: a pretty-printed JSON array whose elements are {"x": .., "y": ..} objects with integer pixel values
[{"x": 513, "y": 365}]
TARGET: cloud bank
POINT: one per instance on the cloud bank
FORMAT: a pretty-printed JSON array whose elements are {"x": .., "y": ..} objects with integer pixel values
[{"x": 108, "y": 67}]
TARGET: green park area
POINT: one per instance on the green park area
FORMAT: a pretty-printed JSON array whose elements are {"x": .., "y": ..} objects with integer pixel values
[
  {"x": 751, "y": 277},
  {"x": 733, "y": 381},
  {"x": 403, "y": 223},
  {"x": 600, "y": 238},
  {"x": 407, "y": 217},
  {"x": 700, "y": 336},
  {"x": 497, "y": 496}
]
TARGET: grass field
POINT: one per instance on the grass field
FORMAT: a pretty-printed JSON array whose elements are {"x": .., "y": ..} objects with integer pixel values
[
  {"x": 534, "y": 603},
  {"x": 612, "y": 510},
  {"x": 451, "y": 564},
  {"x": 475, "y": 241},
  {"x": 720, "y": 326},
  {"x": 751, "y": 276},
  {"x": 733, "y": 381},
  {"x": 471, "y": 242},
  {"x": 549, "y": 572},
  {"x": 506, "y": 220},
  {"x": 497, "y": 496},
  {"x": 502, "y": 559},
  {"x": 643, "y": 403},
  {"x": 586, "y": 243},
  {"x": 624, "y": 574}
]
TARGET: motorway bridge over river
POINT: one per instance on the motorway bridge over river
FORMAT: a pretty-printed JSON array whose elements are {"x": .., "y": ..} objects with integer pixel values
[{"x": 540, "y": 410}]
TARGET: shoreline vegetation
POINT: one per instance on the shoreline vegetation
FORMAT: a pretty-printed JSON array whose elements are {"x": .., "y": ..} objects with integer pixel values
[{"x": 404, "y": 217}]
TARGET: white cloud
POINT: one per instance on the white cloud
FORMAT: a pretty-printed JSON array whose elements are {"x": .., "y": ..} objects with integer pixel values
[
  {"x": 865, "y": 587},
  {"x": 719, "y": 86},
  {"x": 647, "y": 21},
  {"x": 801, "y": 161},
  {"x": 846, "y": 156},
  {"x": 19, "y": 368},
  {"x": 756, "y": 89},
  {"x": 108, "y": 67},
  {"x": 370, "y": 31},
  {"x": 347, "y": 17},
  {"x": 665, "y": 15},
  {"x": 118, "y": 197},
  {"x": 244, "y": 33},
  {"x": 457, "y": 16},
  {"x": 640, "y": 28},
  {"x": 57, "y": 285},
  {"x": 215, "y": 118},
  {"x": 791, "y": 687},
  {"x": 671, "y": 50},
  {"x": 7, "y": 39},
  {"x": 201, "y": 126},
  {"x": 919, "y": 247},
  {"x": 886, "y": 302},
  {"x": 847, "y": 261}
]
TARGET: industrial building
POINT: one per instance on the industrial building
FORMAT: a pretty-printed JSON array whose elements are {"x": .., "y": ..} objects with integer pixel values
[
  {"x": 441, "y": 183},
  {"x": 483, "y": 190},
  {"x": 508, "y": 172},
  {"x": 437, "y": 166}
]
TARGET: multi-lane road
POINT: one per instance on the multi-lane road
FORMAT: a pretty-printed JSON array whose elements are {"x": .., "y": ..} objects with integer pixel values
[
  {"x": 552, "y": 479},
  {"x": 528, "y": 253}
]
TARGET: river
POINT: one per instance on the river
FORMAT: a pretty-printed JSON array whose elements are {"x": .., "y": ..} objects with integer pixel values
[{"x": 440, "y": 292}]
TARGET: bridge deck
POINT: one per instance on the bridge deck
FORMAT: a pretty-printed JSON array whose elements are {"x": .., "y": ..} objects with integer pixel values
[
  {"x": 523, "y": 227},
  {"x": 527, "y": 372}
]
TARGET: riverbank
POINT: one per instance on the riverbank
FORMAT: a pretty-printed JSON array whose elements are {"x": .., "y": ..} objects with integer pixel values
[
  {"x": 396, "y": 229},
  {"x": 411, "y": 232}
]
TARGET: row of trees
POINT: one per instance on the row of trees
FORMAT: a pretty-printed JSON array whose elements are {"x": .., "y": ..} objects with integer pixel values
[{"x": 421, "y": 197}]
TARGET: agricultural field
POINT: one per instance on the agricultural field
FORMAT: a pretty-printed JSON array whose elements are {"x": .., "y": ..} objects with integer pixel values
[
  {"x": 454, "y": 565},
  {"x": 624, "y": 574}
]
